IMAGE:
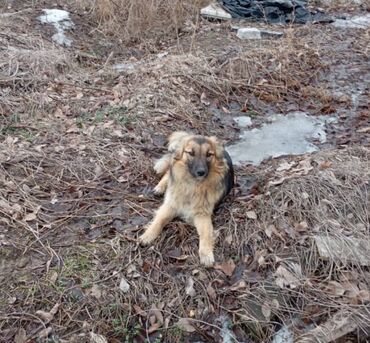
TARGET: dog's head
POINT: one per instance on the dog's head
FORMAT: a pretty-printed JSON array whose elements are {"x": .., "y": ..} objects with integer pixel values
[{"x": 198, "y": 153}]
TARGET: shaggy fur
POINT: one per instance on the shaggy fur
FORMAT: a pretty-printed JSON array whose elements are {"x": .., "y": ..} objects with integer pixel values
[{"x": 197, "y": 175}]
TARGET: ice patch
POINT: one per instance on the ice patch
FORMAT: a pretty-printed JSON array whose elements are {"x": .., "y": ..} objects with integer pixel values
[
  {"x": 61, "y": 21},
  {"x": 284, "y": 135},
  {"x": 284, "y": 335},
  {"x": 356, "y": 22},
  {"x": 243, "y": 121}
]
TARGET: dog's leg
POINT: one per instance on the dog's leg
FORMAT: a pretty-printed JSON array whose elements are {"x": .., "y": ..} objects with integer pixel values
[
  {"x": 162, "y": 185},
  {"x": 204, "y": 227},
  {"x": 163, "y": 216}
]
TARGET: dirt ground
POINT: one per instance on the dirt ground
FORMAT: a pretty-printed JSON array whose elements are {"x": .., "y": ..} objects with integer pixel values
[{"x": 78, "y": 138}]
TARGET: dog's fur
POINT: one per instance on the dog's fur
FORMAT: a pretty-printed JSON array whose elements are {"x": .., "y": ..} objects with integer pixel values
[{"x": 197, "y": 174}]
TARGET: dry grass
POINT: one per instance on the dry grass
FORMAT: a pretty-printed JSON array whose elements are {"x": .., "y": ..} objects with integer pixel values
[
  {"x": 75, "y": 180},
  {"x": 139, "y": 20}
]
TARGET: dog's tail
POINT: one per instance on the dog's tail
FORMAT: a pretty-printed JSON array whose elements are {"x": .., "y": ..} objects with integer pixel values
[{"x": 163, "y": 164}]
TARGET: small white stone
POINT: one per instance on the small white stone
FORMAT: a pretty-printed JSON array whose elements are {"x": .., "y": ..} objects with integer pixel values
[
  {"x": 249, "y": 33},
  {"x": 356, "y": 22},
  {"x": 215, "y": 11},
  {"x": 124, "y": 286}
]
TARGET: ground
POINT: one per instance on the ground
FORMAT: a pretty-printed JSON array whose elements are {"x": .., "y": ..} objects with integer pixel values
[{"x": 78, "y": 139}]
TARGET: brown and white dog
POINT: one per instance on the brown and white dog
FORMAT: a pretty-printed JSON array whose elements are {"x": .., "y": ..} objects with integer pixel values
[{"x": 197, "y": 174}]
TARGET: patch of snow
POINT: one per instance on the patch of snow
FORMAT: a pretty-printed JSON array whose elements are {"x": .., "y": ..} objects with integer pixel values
[
  {"x": 284, "y": 135},
  {"x": 284, "y": 335},
  {"x": 356, "y": 22},
  {"x": 61, "y": 21},
  {"x": 243, "y": 121}
]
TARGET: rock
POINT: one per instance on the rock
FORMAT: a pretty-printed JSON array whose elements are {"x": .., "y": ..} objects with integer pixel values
[
  {"x": 254, "y": 33},
  {"x": 215, "y": 11}
]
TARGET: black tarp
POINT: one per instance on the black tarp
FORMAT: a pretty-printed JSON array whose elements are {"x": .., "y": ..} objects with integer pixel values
[{"x": 273, "y": 11}]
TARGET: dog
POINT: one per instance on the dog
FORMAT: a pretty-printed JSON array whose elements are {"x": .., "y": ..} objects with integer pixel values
[{"x": 197, "y": 173}]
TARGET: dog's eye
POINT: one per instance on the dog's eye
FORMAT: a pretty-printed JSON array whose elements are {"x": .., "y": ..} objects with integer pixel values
[
  {"x": 209, "y": 154},
  {"x": 190, "y": 152}
]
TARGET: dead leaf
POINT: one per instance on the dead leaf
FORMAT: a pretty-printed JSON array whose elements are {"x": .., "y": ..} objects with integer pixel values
[
  {"x": 325, "y": 165},
  {"x": 184, "y": 325},
  {"x": 301, "y": 227},
  {"x": 139, "y": 311},
  {"x": 364, "y": 130},
  {"x": 124, "y": 286},
  {"x": 335, "y": 288},
  {"x": 227, "y": 267},
  {"x": 211, "y": 292},
  {"x": 21, "y": 336},
  {"x": 95, "y": 338},
  {"x": 189, "y": 288},
  {"x": 45, "y": 333},
  {"x": 30, "y": 216},
  {"x": 285, "y": 278},
  {"x": 239, "y": 285},
  {"x": 48, "y": 316},
  {"x": 266, "y": 310},
  {"x": 95, "y": 291},
  {"x": 204, "y": 100},
  {"x": 155, "y": 311},
  {"x": 251, "y": 215},
  {"x": 154, "y": 327},
  {"x": 79, "y": 95}
]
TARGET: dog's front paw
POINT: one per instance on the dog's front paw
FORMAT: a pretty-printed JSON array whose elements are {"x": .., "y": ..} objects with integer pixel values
[
  {"x": 206, "y": 258},
  {"x": 147, "y": 237},
  {"x": 159, "y": 189}
]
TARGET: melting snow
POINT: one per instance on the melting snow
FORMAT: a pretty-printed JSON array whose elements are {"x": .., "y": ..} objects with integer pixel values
[
  {"x": 356, "y": 22},
  {"x": 61, "y": 21},
  {"x": 284, "y": 135}
]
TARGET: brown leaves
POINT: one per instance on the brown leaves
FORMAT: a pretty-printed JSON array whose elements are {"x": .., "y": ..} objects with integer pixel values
[
  {"x": 286, "y": 278},
  {"x": 48, "y": 316},
  {"x": 184, "y": 325},
  {"x": 227, "y": 267}
]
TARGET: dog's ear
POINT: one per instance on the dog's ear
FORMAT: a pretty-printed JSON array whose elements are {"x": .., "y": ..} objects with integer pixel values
[
  {"x": 176, "y": 143},
  {"x": 218, "y": 146}
]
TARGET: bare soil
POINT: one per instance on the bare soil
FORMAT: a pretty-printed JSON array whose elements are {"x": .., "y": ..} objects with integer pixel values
[{"x": 77, "y": 143}]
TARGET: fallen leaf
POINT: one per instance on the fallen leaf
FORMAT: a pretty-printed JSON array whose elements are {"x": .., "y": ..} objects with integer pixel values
[
  {"x": 184, "y": 325},
  {"x": 325, "y": 165},
  {"x": 266, "y": 310},
  {"x": 48, "y": 316},
  {"x": 21, "y": 336},
  {"x": 204, "y": 100},
  {"x": 95, "y": 338},
  {"x": 211, "y": 292},
  {"x": 95, "y": 291},
  {"x": 239, "y": 285},
  {"x": 189, "y": 288},
  {"x": 157, "y": 313},
  {"x": 227, "y": 267},
  {"x": 154, "y": 327},
  {"x": 285, "y": 278},
  {"x": 301, "y": 227},
  {"x": 30, "y": 216},
  {"x": 364, "y": 130},
  {"x": 138, "y": 310},
  {"x": 45, "y": 333},
  {"x": 335, "y": 288},
  {"x": 124, "y": 286},
  {"x": 251, "y": 215}
]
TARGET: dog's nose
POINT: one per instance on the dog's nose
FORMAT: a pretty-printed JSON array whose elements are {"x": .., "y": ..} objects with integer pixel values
[{"x": 201, "y": 172}]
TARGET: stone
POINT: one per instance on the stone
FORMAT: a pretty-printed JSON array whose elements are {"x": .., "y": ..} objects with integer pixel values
[
  {"x": 254, "y": 33},
  {"x": 215, "y": 11}
]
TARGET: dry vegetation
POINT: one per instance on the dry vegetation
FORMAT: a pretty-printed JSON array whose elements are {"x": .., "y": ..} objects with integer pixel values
[{"x": 77, "y": 141}]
